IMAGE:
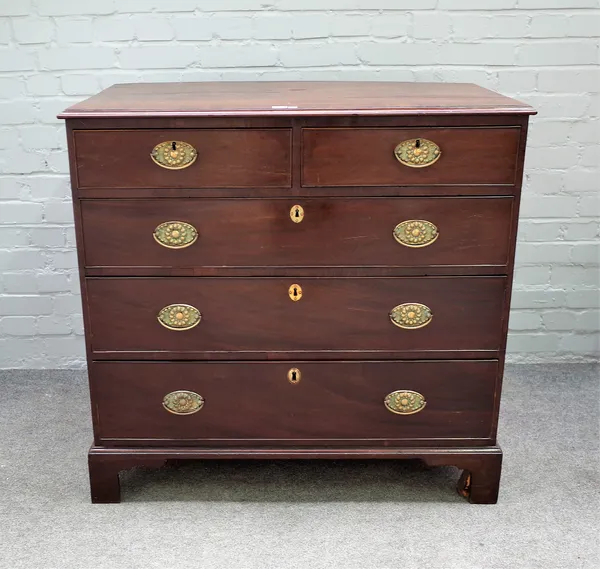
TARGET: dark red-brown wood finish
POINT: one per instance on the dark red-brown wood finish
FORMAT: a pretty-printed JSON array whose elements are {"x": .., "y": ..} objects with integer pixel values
[{"x": 263, "y": 149}]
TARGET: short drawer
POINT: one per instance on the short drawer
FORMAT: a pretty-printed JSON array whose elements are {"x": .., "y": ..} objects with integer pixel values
[
  {"x": 253, "y": 402},
  {"x": 446, "y": 156},
  {"x": 179, "y": 316},
  {"x": 192, "y": 158},
  {"x": 396, "y": 232}
]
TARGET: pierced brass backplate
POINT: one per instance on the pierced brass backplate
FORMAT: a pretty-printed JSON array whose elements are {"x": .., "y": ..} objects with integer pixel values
[
  {"x": 404, "y": 402},
  {"x": 294, "y": 375},
  {"x": 411, "y": 315},
  {"x": 297, "y": 213},
  {"x": 416, "y": 233},
  {"x": 417, "y": 153},
  {"x": 174, "y": 155},
  {"x": 183, "y": 402},
  {"x": 175, "y": 234},
  {"x": 179, "y": 317},
  {"x": 295, "y": 292}
]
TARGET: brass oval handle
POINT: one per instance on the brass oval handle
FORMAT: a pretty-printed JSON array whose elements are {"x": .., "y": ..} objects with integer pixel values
[
  {"x": 411, "y": 315},
  {"x": 404, "y": 402},
  {"x": 174, "y": 154},
  {"x": 294, "y": 375},
  {"x": 179, "y": 317},
  {"x": 295, "y": 292},
  {"x": 297, "y": 213},
  {"x": 416, "y": 233},
  {"x": 417, "y": 152},
  {"x": 175, "y": 234},
  {"x": 183, "y": 402}
]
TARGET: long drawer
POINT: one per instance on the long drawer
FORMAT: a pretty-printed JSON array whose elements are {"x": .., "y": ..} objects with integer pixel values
[
  {"x": 204, "y": 315},
  {"x": 403, "y": 232},
  {"x": 444, "y": 156},
  {"x": 192, "y": 158},
  {"x": 257, "y": 403}
]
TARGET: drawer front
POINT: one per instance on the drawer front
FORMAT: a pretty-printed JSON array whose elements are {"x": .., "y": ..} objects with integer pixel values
[
  {"x": 366, "y": 157},
  {"x": 256, "y": 401},
  {"x": 362, "y": 232},
  {"x": 258, "y": 314},
  {"x": 225, "y": 158}
]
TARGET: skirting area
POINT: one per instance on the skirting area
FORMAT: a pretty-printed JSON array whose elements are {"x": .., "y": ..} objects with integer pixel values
[{"x": 284, "y": 515}]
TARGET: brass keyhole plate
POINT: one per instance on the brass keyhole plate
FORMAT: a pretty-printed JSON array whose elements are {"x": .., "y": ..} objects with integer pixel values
[
  {"x": 295, "y": 292},
  {"x": 294, "y": 375},
  {"x": 297, "y": 213}
]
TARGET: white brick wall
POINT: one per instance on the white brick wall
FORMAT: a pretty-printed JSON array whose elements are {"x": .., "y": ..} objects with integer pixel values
[{"x": 545, "y": 52}]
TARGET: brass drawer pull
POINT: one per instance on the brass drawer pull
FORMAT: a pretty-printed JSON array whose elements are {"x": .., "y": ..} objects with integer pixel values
[
  {"x": 416, "y": 233},
  {"x": 179, "y": 317},
  {"x": 183, "y": 402},
  {"x": 417, "y": 153},
  {"x": 175, "y": 234},
  {"x": 294, "y": 375},
  {"x": 411, "y": 315},
  {"x": 404, "y": 402},
  {"x": 297, "y": 213},
  {"x": 295, "y": 292},
  {"x": 174, "y": 155}
]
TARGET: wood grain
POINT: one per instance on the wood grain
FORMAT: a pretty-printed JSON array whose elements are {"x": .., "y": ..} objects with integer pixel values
[
  {"x": 260, "y": 233},
  {"x": 226, "y": 158},
  {"x": 256, "y": 314},
  {"x": 254, "y": 403},
  {"x": 293, "y": 98},
  {"x": 365, "y": 157}
]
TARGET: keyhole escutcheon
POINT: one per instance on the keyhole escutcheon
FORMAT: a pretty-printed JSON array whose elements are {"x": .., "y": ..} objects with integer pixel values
[
  {"x": 295, "y": 292},
  {"x": 294, "y": 375},
  {"x": 297, "y": 213}
]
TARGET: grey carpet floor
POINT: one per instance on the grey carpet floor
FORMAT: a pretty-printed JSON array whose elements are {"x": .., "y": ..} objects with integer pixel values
[{"x": 308, "y": 515}]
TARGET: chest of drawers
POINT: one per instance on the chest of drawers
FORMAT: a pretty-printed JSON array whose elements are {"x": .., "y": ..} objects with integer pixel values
[{"x": 296, "y": 270}]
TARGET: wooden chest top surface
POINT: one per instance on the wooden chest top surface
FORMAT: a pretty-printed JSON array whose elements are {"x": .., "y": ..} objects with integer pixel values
[{"x": 294, "y": 98}]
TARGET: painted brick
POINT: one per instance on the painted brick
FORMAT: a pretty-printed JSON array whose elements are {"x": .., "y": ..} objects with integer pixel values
[
  {"x": 582, "y": 231},
  {"x": 43, "y": 84},
  {"x": 18, "y": 326},
  {"x": 54, "y": 325},
  {"x": 238, "y": 56},
  {"x": 192, "y": 29},
  {"x": 21, "y": 213},
  {"x": 590, "y": 206},
  {"x": 586, "y": 254},
  {"x": 568, "y": 80},
  {"x": 38, "y": 137},
  {"x": 13, "y": 237},
  {"x": 558, "y": 4},
  {"x": 347, "y": 25},
  {"x": 548, "y": 206},
  {"x": 33, "y": 30},
  {"x": 67, "y": 304},
  {"x": 80, "y": 84},
  {"x": 559, "y": 320},
  {"x": 16, "y": 112},
  {"x": 584, "y": 25},
  {"x": 557, "y": 53},
  {"x": 11, "y": 87},
  {"x": 570, "y": 276},
  {"x": 25, "y": 305},
  {"x": 538, "y": 299},
  {"x": 23, "y": 282},
  {"x": 277, "y": 27},
  {"x": 153, "y": 57},
  {"x": 477, "y": 54},
  {"x": 21, "y": 8},
  {"x": 531, "y": 343},
  {"x": 74, "y": 30},
  {"x": 377, "y": 53},
  {"x": 63, "y": 260},
  {"x": 47, "y": 282},
  {"x": 581, "y": 343},
  {"x": 48, "y": 237},
  {"x": 116, "y": 29},
  {"x": 310, "y": 26},
  {"x": 80, "y": 58},
  {"x": 583, "y": 298},
  {"x": 521, "y": 320},
  {"x": 67, "y": 8},
  {"x": 153, "y": 28},
  {"x": 540, "y": 231},
  {"x": 537, "y": 275},
  {"x": 390, "y": 25},
  {"x": 548, "y": 25}
]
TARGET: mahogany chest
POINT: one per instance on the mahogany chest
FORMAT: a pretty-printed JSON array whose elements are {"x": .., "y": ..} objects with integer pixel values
[{"x": 296, "y": 270}]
